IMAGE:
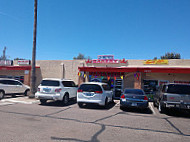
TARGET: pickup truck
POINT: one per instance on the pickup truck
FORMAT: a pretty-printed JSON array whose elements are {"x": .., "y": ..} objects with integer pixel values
[
  {"x": 12, "y": 86},
  {"x": 57, "y": 90},
  {"x": 172, "y": 96}
]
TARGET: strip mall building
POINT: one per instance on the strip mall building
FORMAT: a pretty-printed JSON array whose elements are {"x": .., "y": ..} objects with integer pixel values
[{"x": 120, "y": 74}]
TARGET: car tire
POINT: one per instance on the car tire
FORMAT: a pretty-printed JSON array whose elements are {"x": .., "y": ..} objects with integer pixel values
[
  {"x": 106, "y": 103},
  {"x": 154, "y": 104},
  {"x": 112, "y": 100},
  {"x": 26, "y": 93},
  {"x": 43, "y": 101},
  {"x": 66, "y": 99},
  {"x": 161, "y": 109},
  {"x": 121, "y": 107},
  {"x": 2, "y": 94},
  {"x": 80, "y": 105}
]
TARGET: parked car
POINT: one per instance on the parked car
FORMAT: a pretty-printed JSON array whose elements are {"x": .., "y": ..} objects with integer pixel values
[
  {"x": 94, "y": 93},
  {"x": 133, "y": 98},
  {"x": 172, "y": 96},
  {"x": 56, "y": 89},
  {"x": 12, "y": 86}
]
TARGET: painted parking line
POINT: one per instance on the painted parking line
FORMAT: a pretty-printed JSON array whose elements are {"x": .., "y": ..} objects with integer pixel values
[{"x": 152, "y": 108}]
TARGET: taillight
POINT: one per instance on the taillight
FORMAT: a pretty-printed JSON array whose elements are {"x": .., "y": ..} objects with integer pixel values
[
  {"x": 145, "y": 98},
  {"x": 79, "y": 90},
  {"x": 38, "y": 89},
  {"x": 58, "y": 90},
  {"x": 99, "y": 92},
  {"x": 122, "y": 96}
]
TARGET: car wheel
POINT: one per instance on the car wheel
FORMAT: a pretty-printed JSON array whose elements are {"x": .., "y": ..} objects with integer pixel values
[
  {"x": 154, "y": 103},
  {"x": 112, "y": 100},
  {"x": 2, "y": 94},
  {"x": 26, "y": 93},
  {"x": 66, "y": 99},
  {"x": 106, "y": 103},
  {"x": 121, "y": 107},
  {"x": 80, "y": 105},
  {"x": 161, "y": 109},
  {"x": 43, "y": 102}
]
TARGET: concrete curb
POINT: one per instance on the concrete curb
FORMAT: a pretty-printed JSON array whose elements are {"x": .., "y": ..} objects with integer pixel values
[{"x": 22, "y": 100}]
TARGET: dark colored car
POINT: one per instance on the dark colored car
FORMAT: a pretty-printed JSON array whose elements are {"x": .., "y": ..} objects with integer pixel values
[
  {"x": 133, "y": 98},
  {"x": 172, "y": 96}
]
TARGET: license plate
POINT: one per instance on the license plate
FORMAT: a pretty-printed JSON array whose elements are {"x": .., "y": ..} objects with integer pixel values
[
  {"x": 46, "y": 90},
  {"x": 88, "y": 94},
  {"x": 134, "y": 104}
]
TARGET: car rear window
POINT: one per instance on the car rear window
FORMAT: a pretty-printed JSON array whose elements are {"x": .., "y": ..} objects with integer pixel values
[
  {"x": 134, "y": 91},
  {"x": 90, "y": 87},
  {"x": 50, "y": 83},
  {"x": 68, "y": 84},
  {"x": 178, "y": 89}
]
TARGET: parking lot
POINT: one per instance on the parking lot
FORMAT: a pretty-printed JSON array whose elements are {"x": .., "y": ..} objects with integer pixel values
[{"x": 28, "y": 120}]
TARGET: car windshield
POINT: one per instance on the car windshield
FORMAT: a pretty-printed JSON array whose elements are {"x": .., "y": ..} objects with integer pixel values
[
  {"x": 90, "y": 87},
  {"x": 134, "y": 91},
  {"x": 178, "y": 89},
  {"x": 49, "y": 83}
]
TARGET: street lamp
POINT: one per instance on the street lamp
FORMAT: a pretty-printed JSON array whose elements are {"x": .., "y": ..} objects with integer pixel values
[{"x": 33, "y": 70}]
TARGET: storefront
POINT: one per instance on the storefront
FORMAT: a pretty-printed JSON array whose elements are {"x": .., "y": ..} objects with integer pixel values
[
  {"x": 19, "y": 70},
  {"x": 144, "y": 74}
]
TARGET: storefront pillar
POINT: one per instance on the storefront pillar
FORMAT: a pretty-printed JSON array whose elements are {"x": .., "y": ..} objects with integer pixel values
[
  {"x": 137, "y": 80},
  {"x": 81, "y": 80},
  {"x": 27, "y": 77}
]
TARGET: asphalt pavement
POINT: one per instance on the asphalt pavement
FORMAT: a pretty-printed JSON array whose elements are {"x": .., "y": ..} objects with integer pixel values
[{"x": 26, "y": 120}]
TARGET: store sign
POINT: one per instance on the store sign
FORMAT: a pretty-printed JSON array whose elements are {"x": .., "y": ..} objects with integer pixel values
[
  {"x": 106, "y": 59},
  {"x": 23, "y": 62},
  {"x": 156, "y": 62},
  {"x": 6, "y": 62}
]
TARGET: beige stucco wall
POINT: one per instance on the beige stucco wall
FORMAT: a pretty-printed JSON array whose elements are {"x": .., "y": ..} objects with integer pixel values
[{"x": 67, "y": 69}]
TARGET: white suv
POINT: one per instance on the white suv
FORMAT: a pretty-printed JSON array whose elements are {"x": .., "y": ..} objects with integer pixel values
[
  {"x": 95, "y": 93},
  {"x": 12, "y": 86},
  {"x": 56, "y": 89}
]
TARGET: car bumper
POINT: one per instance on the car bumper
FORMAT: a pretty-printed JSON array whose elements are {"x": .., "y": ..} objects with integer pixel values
[
  {"x": 48, "y": 96},
  {"x": 134, "y": 104},
  {"x": 99, "y": 102},
  {"x": 176, "y": 105}
]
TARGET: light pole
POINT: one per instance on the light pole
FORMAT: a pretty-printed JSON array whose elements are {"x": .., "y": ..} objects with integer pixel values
[{"x": 33, "y": 70}]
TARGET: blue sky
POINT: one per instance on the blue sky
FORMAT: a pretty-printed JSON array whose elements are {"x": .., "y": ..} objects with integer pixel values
[{"x": 131, "y": 29}]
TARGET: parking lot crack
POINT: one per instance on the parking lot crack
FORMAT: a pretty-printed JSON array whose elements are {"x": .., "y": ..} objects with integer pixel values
[
  {"x": 173, "y": 126},
  {"x": 57, "y": 112},
  {"x": 106, "y": 117}
]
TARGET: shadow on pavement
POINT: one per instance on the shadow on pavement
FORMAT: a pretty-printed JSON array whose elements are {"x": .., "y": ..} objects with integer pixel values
[
  {"x": 95, "y": 106},
  {"x": 137, "y": 110},
  {"x": 178, "y": 113},
  {"x": 13, "y": 96},
  {"x": 58, "y": 103}
]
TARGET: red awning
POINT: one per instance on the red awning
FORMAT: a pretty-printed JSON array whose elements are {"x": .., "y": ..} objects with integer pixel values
[
  {"x": 16, "y": 67},
  {"x": 136, "y": 69}
]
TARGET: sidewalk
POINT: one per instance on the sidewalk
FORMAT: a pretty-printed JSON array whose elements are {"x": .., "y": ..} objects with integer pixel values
[{"x": 22, "y": 100}]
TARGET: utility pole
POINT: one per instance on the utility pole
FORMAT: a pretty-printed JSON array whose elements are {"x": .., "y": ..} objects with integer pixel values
[{"x": 33, "y": 71}]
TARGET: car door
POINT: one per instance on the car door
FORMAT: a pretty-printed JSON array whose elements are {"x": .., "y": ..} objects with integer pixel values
[
  {"x": 19, "y": 87},
  {"x": 108, "y": 92},
  {"x": 11, "y": 87},
  {"x": 73, "y": 89},
  {"x": 69, "y": 87}
]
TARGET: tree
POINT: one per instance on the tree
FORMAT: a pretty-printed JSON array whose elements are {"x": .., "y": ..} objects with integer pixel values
[
  {"x": 169, "y": 55},
  {"x": 81, "y": 57},
  {"x": 4, "y": 57},
  {"x": 18, "y": 58}
]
